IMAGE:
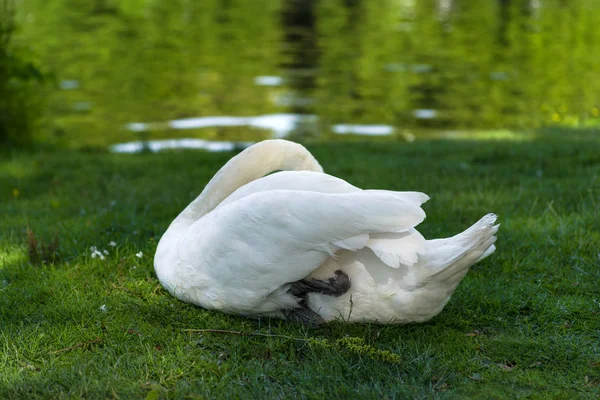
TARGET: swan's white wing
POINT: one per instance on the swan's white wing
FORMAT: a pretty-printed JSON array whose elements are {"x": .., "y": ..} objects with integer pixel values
[
  {"x": 293, "y": 180},
  {"x": 396, "y": 249},
  {"x": 312, "y": 182},
  {"x": 353, "y": 243},
  {"x": 251, "y": 247},
  {"x": 392, "y": 248}
]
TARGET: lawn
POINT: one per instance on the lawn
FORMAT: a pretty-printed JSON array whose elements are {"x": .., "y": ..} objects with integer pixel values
[{"x": 523, "y": 323}]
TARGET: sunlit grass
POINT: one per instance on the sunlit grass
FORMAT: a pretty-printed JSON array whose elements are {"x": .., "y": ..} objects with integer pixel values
[
  {"x": 499, "y": 134},
  {"x": 525, "y": 322}
]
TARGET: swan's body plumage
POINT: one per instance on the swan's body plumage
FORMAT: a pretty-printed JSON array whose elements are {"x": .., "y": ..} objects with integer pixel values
[{"x": 247, "y": 237}]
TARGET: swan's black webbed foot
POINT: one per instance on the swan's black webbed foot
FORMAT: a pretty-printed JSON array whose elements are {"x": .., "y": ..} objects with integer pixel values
[
  {"x": 304, "y": 315},
  {"x": 334, "y": 286}
]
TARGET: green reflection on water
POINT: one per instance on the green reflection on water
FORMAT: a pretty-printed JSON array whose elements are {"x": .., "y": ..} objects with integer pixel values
[{"x": 486, "y": 64}]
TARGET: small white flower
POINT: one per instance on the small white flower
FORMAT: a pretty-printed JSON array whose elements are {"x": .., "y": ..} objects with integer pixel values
[
  {"x": 139, "y": 255},
  {"x": 112, "y": 244},
  {"x": 96, "y": 253},
  {"x": 105, "y": 252},
  {"x": 134, "y": 267},
  {"x": 103, "y": 308}
]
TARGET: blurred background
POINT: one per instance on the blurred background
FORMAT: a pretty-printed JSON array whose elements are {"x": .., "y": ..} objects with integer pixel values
[{"x": 94, "y": 73}]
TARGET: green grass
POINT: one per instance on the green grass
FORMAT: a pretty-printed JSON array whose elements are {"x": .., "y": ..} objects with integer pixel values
[{"x": 523, "y": 323}]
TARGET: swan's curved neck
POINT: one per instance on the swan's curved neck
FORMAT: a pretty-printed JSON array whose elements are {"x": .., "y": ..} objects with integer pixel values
[{"x": 251, "y": 164}]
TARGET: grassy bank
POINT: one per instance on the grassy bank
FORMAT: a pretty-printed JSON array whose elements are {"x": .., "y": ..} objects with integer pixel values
[{"x": 525, "y": 322}]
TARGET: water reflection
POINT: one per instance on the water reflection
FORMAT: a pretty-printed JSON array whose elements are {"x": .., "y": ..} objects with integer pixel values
[
  {"x": 280, "y": 125},
  {"x": 170, "y": 144},
  {"x": 401, "y": 63}
]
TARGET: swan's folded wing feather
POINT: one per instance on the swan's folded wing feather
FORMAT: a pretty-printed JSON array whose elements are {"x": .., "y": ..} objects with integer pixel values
[
  {"x": 354, "y": 243},
  {"x": 312, "y": 182},
  {"x": 332, "y": 217},
  {"x": 293, "y": 180},
  {"x": 268, "y": 239},
  {"x": 416, "y": 198},
  {"x": 396, "y": 249}
]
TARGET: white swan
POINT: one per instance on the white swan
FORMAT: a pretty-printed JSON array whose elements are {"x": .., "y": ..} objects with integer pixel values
[{"x": 270, "y": 245}]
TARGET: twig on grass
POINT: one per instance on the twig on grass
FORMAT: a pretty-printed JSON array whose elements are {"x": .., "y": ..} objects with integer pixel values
[
  {"x": 240, "y": 333},
  {"x": 78, "y": 345},
  {"x": 45, "y": 253},
  {"x": 353, "y": 345}
]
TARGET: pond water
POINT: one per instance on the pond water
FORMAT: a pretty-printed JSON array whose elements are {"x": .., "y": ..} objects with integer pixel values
[{"x": 245, "y": 70}]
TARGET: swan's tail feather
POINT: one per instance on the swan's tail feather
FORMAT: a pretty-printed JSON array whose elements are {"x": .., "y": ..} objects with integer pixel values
[
  {"x": 448, "y": 260},
  {"x": 456, "y": 271},
  {"x": 489, "y": 251}
]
